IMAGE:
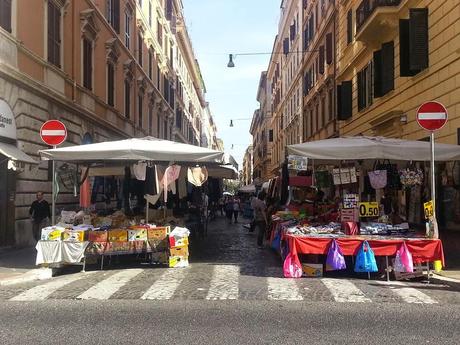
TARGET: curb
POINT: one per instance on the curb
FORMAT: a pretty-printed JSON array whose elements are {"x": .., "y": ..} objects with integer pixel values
[
  {"x": 446, "y": 280},
  {"x": 29, "y": 276}
]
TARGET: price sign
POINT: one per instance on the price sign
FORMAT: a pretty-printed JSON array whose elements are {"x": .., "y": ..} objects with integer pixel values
[
  {"x": 369, "y": 209},
  {"x": 428, "y": 208}
]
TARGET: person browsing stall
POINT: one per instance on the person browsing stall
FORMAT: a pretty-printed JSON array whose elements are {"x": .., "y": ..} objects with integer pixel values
[{"x": 260, "y": 217}]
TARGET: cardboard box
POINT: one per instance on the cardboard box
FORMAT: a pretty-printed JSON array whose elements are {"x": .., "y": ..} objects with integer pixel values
[
  {"x": 118, "y": 236},
  {"x": 74, "y": 235},
  {"x": 51, "y": 234},
  {"x": 179, "y": 251},
  {"x": 312, "y": 270},
  {"x": 178, "y": 241},
  {"x": 97, "y": 236},
  {"x": 158, "y": 233},
  {"x": 178, "y": 261},
  {"x": 137, "y": 235}
]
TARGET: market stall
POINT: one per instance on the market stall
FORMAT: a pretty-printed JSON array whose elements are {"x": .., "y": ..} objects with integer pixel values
[
  {"x": 163, "y": 169},
  {"x": 359, "y": 193}
]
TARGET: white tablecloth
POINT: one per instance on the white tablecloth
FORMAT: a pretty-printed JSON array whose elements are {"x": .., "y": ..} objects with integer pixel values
[{"x": 59, "y": 252}]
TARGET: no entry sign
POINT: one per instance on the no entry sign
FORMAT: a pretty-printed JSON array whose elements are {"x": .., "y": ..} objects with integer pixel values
[
  {"x": 53, "y": 132},
  {"x": 432, "y": 116}
]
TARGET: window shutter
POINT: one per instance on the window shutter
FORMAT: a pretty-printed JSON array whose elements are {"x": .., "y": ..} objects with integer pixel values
[
  {"x": 110, "y": 84},
  {"x": 418, "y": 38},
  {"x": 321, "y": 60},
  {"x": 346, "y": 100},
  {"x": 329, "y": 48},
  {"x": 116, "y": 15},
  {"x": 305, "y": 39},
  {"x": 50, "y": 32},
  {"x": 339, "y": 101},
  {"x": 286, "y": 46},
  {"x": 349, "y": 26},
  {"x": 5, "y": 15},
  {"x": 361, "y": 90},
  {"x": 404, "y": 56},
  {"x": 169, "y": 9},
  {"x": 57, "y": 36},
  {"x": 378, "y": 74},
  {"x": 387, "y": 67},
  {"x": 311, "y": 27}
]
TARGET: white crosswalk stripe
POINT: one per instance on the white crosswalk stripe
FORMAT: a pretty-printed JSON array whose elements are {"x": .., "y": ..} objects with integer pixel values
[
  {"x": 283, "y": 289},
  {"x": 224, "y": 283},
  {"x": 344, "y": 290},
  {"x": 408, "y": 294},
  {"x": 166, "y": 285},
  {"x": 41, "y": 292},
  {"x": 106, "y": 288}
]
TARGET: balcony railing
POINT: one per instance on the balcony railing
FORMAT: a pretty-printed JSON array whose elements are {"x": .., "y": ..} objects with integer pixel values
[{"x": 367, "y": 7}]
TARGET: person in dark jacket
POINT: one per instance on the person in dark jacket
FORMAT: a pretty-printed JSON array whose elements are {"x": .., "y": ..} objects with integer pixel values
[{"x": 40, "y": 214}]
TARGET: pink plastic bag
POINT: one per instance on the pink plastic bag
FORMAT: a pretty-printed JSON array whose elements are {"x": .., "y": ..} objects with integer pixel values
[
  {"x": 292, "y": 267},
  {"x": 403, "y": 260}
]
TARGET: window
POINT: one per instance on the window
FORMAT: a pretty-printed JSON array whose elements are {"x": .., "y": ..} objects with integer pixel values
[
  {"x": 158, "y": 127},
  {"x": 150, "y": 64},
  {"x": 110, "y": 84},
  {"x": 321, "y": 60},
  {"x": 413, "y": 38},
  {"x": 344, "y": 100},
  {"x": 5, "y": 14},
  {"x": 270, "y": 135},
  {"x": 349, "y": 26},
  {"x": 140, "y": 47},
  {"x": 87, "y": 63},
  {"x": 365, "y": 87},
  {"x": 158, "y": 78},
  {"x": 140, "y": 3},
  {"x": 329, "y": 48},
  {"x": 165, "y": 131},
  {"x": 113, "y": 14},
  {"x": 384, "y": 69},
  {"x": 54, "y": 34},
  {"x": 160, "y": 33},
  {"x": 330, "y": 105},
  {"x": 127, "y": 29},
  {"x": 127, "y": 99},
  {"x": 140, "y": 104}
]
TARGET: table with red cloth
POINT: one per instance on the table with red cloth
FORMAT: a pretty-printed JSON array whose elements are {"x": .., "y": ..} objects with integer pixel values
[{"x": 422, "y": 249}]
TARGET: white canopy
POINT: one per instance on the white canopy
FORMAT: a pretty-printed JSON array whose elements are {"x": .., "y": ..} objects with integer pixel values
[
  {"x": 136, "y": 149},
  {"x": 353, "y": 148},
  {"x": 223, "y": 171},
  {"x": 250, "y": 188},
  {"x": 13, "y": 153}
]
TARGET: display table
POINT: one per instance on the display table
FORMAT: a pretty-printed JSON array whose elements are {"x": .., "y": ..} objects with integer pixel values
[
  {"x": 60, "y": 252},
  {"x": 422, "y": 250}
]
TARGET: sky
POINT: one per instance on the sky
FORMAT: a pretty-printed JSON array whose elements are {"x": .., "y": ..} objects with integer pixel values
[{"x": 221, "y": 27}]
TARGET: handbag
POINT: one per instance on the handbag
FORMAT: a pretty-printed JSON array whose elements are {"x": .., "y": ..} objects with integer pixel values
[
  {"x": 292, "y": 267},
  {"x": 403, "y": 260},
  {"x": 393, "y": 178},
  {"x": 365, "y": 260},
  {"x": 378, "y": 178},
  {"x": 335, "y": 259}
]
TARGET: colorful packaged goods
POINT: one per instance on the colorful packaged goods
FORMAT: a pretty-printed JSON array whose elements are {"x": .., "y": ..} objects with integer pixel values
[
  {"x": 52, "y": 233},
  {"x": 97, "y": 236},
  {"x": 178, "y": 261},
  {"x": 118, "y": 236},
  {"x": 74, "y": 235},
  {"x": 179, "y": 251},
  {"x": 137, "y": 235},
  {"x": 158, "y": 233}
]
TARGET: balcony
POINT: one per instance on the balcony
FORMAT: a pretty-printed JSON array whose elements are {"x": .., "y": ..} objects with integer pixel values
[{"x": 376, "y": 19}]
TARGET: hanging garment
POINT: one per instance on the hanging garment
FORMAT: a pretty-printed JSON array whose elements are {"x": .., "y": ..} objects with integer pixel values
[
  {"x": 182, "y": 184},
  {"x": 150, "y": 181},
  {"x": 284, "y": 184},
  {"x": 140, "y": 170},
  {"x": 197, "y": 176},
  {"x": 85, "y": 194},
  {"x": 171, "y": 175}
]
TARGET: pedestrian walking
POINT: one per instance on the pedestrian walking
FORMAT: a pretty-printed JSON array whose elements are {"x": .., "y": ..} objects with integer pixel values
[
  {"x": 40, "y": 214},
  {"x": 221, "y": 206},
  {"x": 229, "y": 210},
  {"x": 260, "y": 217},
  {"x": 236, "y": 208}
]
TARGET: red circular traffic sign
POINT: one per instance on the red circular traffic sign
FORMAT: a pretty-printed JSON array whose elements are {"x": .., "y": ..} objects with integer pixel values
[
  {"x": 53, "y": 132},
  {"x": 432, "y": 116}
]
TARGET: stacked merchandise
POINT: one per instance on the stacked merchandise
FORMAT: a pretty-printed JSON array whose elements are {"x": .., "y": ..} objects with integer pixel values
[
  {"x": 66, "y": 232},
  {"x": 178, "y": 247},
  {"x": 382, "y": 229}
]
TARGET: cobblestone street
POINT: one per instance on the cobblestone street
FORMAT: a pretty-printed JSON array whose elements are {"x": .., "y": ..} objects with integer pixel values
[{"x": 226, "y": 265}]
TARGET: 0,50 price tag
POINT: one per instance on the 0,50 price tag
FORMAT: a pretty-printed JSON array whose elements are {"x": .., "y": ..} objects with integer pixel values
[
  {"x": 369, "y": 209},
  {"x": 428, "y": 208}
]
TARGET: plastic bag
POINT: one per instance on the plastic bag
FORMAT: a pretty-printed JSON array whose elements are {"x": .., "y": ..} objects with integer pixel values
[
  {"x": 378, "y": 178},
  {"x": 365, "y": 260},
  {"x": 292, "y": 267},
  {"x": 335, "y": 259},
  {"x": 276, "y": 243},
  {"x": 403, "y": 261}
]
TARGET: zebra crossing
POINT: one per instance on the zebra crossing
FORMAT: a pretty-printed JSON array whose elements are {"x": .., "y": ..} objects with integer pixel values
[{"x": 224, "y": 283}]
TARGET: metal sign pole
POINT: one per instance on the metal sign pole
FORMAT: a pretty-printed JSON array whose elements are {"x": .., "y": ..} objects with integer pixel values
[
  {"x": 433, "y": 184},
  {"x": 53, "y": 194}
]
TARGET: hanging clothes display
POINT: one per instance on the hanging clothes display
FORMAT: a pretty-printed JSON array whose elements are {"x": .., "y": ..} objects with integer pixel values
[
  {"x": 151, "y": 187},
  {"x": 171, "y": 175},
  {"x": 284, "y": 184},
  {"x": 182, "y": 184},
  {"x": 140, "y": 170},
  {"x": 85, "y": 194},
  {"x": 197, "y": 176}
]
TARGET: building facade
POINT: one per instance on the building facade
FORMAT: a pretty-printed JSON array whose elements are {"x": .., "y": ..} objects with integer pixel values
[
  {"x": 262, "y": 133},
  {"x": 108, "y": 69},
  {"x": 247, "y": 171}
]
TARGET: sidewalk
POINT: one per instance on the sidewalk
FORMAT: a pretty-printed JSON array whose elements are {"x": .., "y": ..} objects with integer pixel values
[{"x": 17, "y": 265}]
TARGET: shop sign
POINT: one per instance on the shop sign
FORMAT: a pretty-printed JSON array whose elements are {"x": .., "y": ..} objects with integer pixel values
[
  {"x": 349, "y": 215},
  {"x": 7, "y": 122},
  {"x": 428, "y": 208},
  {"x": 369, "y": 209}
]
